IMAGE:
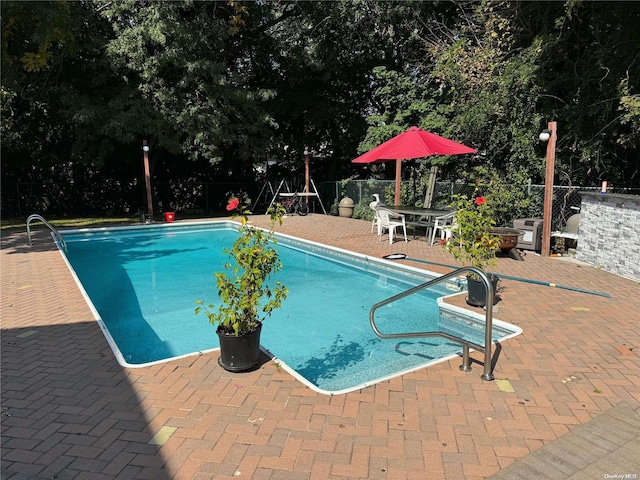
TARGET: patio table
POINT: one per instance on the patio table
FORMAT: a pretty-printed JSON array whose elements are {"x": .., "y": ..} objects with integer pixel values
[{"x": 415, "y": 213}]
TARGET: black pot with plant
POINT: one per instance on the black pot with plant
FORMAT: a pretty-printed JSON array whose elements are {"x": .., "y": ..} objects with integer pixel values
[
  {"x": 247, "y": 298},
  {"x": 473, "y": 243},
  {"x": 477, "y": 292}
]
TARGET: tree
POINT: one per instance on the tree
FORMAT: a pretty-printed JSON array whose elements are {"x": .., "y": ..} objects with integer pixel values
[
  {"x": 591, "y": 81},
  {"x": 228, "y": 84},
  {"x": 502, "y": 69},
  {"x": 515, "y": 65},
  {"x": 184, "y": 59},
  {"x": 36, "y": 40}
]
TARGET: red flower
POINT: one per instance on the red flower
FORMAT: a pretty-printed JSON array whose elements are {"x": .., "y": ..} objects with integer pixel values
[
  {"x": 233, "y": 204},
  {"x": 479, "y": 200}
]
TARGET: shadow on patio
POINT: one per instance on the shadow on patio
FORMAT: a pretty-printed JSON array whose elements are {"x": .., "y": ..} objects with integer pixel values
[{"x": 69, "y": 409}]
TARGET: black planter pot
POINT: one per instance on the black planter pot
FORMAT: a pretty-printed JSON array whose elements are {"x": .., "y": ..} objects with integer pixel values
[
  {"x": 476, "y": 294},
  {"x": 241, "y": 353}
]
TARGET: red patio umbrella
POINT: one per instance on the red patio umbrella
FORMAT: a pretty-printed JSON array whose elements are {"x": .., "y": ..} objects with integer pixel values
[{"x": 413, "y": 143}]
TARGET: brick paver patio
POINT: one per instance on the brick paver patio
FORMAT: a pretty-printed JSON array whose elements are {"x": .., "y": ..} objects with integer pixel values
[{"x": 70, "y": 411}]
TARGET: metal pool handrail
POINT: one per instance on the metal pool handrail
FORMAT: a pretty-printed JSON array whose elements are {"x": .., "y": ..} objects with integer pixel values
[
  {"x": 48, "y": 225},
  {"x": 488, "y": 328}
]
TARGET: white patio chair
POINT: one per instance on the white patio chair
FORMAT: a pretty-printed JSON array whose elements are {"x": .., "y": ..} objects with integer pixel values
[
  {"x": 444, "y": 223},
  {"x": 388, "y": 220},
  {"x": 570, "y": 231}
]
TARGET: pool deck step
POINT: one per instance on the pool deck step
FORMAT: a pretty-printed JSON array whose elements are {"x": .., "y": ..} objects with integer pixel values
[{"x": 606, "y": 447}]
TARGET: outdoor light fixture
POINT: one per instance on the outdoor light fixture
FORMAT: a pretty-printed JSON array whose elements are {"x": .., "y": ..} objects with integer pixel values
[
  {"x": 147, "y": 179},
  {"x": 544, "y": 135},
  {"x": 549, "y": 134},
  {"x": 306, "y": 171}
]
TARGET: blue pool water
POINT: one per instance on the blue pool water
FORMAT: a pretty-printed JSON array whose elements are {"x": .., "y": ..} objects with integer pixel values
[{"x": 143, "y": 283}]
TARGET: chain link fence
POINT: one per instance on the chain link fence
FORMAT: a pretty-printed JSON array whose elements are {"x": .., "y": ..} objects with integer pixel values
[
  {"x": 566, "y": 199},
  {"x": 199, "y": 198},
  {"x": 61, "y": 199}
]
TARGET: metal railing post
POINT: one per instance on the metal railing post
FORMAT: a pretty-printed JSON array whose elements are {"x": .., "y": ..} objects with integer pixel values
[
  {"x": 488, "y": 328},
  {"x": 55, "y": 232}
]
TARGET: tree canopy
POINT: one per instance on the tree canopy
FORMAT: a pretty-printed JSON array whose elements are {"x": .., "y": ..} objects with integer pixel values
[{"x": 217, "y": 87}]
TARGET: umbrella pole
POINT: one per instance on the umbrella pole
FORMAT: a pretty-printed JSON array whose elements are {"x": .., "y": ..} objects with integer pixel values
[{"x": 396, "y": 200}]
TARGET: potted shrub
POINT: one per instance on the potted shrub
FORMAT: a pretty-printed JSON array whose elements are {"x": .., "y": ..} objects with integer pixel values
[
  {"x": 473, "y": 244},
  {"x": 246, "y": 296}
]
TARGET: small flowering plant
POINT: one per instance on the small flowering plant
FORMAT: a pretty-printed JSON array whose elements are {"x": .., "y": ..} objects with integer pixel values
[
  {"x": 472, "y": 241},
  {"x": 247, "y": 297}
]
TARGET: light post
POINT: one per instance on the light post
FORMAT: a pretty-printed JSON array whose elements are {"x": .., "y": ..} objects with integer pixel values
[
  {"x": 306, "y": 172},
  {"x": 147, "y": 179},
  {"x": 549, "y": 135}
]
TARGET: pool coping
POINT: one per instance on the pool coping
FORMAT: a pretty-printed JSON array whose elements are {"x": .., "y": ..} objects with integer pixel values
[{"x": 388, "y": 264}]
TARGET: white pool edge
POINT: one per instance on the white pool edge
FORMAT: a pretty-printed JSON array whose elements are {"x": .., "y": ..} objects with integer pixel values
[{"x": 440, "y": 301}]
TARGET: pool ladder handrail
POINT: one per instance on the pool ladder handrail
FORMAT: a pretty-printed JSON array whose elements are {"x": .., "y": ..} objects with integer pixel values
[
  {"x": 488, "y": 329},
  {"x": 55, "y": 232}
]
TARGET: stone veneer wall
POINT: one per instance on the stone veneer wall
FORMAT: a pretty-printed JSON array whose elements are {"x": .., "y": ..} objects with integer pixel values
[{"x": 609, "y": 234}]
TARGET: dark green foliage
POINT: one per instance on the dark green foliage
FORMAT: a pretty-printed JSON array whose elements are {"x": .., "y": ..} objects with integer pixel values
[
  {"x": 503, "y": 69},
  {"x": 224, "y": 85}
]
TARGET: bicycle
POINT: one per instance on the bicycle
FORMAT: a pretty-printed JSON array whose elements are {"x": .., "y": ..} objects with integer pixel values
[{"x": 296, "y": 205}]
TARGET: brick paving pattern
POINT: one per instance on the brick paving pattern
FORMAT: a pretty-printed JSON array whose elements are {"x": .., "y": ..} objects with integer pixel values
[
  {"x": 69, "y": 411},
  {"x": 608, "y": 443}
]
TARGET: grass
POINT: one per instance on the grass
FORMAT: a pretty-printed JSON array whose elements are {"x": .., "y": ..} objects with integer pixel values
[
  {"x": 87, "y": 222},
  {"x": 15, "y": 223}
]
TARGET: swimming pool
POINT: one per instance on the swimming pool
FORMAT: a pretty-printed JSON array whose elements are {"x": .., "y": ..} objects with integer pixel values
[{"x": 142, "y": 283}]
